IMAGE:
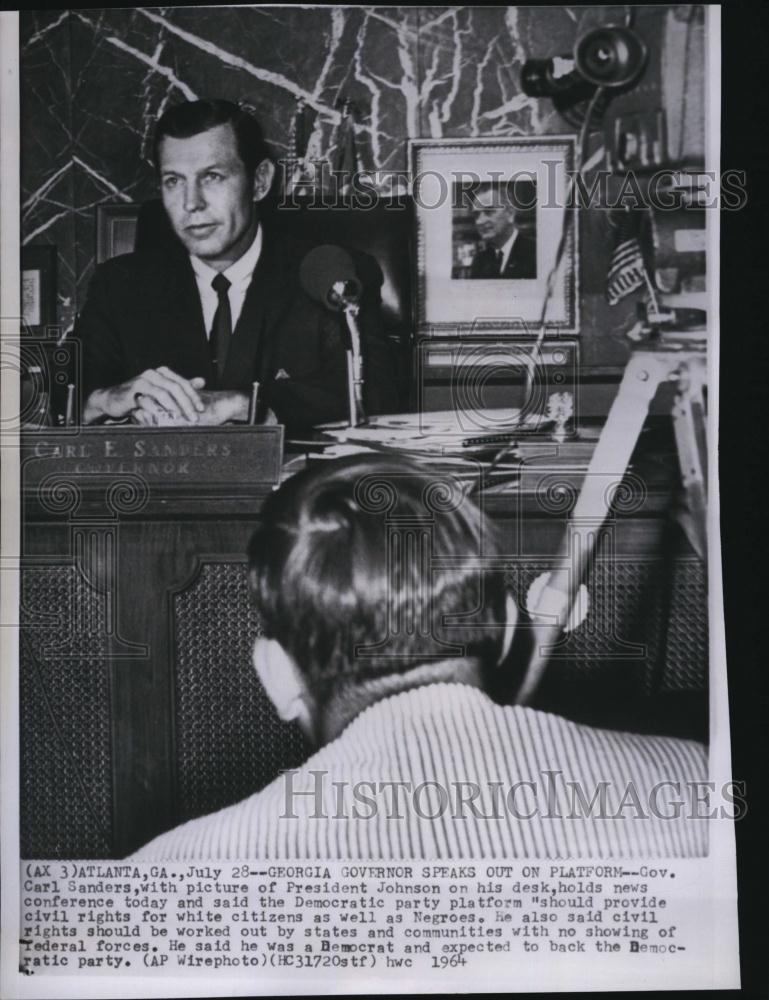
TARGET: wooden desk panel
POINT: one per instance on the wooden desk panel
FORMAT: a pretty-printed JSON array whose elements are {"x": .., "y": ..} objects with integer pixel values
[{"x": 141, "y": 708}]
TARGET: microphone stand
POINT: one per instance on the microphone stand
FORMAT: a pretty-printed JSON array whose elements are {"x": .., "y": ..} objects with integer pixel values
[
  {"x": 357, "y": 415},
  {"x": 345, "y": 295}
]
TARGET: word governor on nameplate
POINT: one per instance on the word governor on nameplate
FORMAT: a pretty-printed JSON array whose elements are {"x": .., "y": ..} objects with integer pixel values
[{"x": 130, "y": 918}]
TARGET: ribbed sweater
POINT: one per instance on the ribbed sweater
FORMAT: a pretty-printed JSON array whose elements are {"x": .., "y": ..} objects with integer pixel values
[{"x": 536, "y": 775}]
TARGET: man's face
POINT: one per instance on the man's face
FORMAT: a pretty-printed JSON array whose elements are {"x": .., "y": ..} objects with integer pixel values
[
  {"x": 494, "y": 219},
  {"x": 209, "y": 195}
]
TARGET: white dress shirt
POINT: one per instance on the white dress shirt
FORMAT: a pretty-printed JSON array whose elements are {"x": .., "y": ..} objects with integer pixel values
[{"x": 238, "y": 274}]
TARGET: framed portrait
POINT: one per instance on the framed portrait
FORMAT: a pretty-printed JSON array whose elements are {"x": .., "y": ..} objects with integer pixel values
[
  {"x": 490, "y": 215},
  {"x": 115, "y": 229},
  {"x": 38, "y": 287}
]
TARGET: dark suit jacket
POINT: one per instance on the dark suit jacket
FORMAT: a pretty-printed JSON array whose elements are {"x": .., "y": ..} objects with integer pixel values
[
  {"x": 143, "y": 310},
  {"x": 522, "y": 262}
]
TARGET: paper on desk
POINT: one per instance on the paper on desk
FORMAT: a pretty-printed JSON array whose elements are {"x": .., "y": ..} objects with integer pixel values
[{"x": 441, "y": 433}]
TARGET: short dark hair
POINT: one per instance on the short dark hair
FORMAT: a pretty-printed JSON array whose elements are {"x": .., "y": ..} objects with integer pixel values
[
  {"x": 367, "y": 566},
  {"x": 182, "y": 121}
]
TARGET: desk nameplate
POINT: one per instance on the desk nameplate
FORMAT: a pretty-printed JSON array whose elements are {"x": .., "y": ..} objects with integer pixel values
[{"x": 183, "y": 461}]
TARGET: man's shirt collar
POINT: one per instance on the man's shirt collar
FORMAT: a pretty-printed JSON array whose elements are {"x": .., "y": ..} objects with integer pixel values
[{"x": 240, "y": 271}]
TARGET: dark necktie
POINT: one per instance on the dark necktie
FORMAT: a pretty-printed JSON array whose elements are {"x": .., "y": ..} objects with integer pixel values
[
  {"x": 221, "y": 328},
  {"x": 497, "y": 261}
]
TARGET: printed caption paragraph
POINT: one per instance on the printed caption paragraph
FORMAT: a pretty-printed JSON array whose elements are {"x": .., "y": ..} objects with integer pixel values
[{"x": 81, "y": 917}]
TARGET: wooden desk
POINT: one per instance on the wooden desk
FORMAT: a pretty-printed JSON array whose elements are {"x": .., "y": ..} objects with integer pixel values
[{"x": 140, "y": 707}]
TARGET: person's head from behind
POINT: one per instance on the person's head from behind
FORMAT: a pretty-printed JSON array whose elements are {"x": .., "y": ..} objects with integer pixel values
[
  {"x": 368, "y": 579},
  {"x": 214, "y": 167}
]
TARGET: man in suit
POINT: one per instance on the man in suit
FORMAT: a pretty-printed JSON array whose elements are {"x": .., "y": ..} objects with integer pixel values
[
  {"x": 508, "y": 250},
  {"x": 386, "y": 625},
  {"x": 177, "y": 335}
]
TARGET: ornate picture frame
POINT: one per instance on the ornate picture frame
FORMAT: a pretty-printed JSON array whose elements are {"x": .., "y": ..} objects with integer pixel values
[
  {"x": 465, "y": 283},
  {"x": 115, "y": 229}
]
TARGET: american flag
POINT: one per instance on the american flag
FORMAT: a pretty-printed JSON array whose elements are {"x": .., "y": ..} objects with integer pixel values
[{"x": 627, "y": 270}]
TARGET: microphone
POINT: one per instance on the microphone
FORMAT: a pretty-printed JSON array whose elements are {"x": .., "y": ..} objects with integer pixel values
[{"x": 327, "y": 275}]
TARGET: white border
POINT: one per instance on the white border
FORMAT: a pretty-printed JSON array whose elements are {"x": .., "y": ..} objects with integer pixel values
[
  {"x": 10, "y": 311},
  {"x": 722, "y": 900},
  {"x": 717, "y": 872}
]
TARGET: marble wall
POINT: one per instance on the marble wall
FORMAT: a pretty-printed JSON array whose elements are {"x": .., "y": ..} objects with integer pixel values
[{"x": 94, "y": 81}]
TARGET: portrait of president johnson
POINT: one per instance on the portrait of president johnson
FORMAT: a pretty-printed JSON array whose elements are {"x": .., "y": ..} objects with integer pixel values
[{"x": 494, "y": 231}]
